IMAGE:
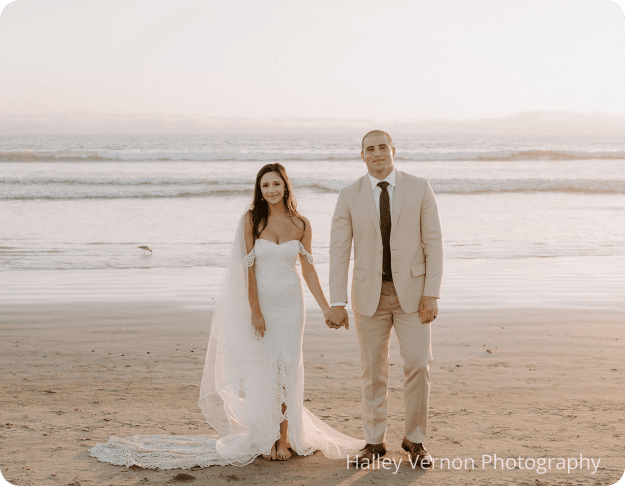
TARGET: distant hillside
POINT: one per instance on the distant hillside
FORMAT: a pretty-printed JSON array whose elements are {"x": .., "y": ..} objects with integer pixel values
[{"x": 526, "y": 123}]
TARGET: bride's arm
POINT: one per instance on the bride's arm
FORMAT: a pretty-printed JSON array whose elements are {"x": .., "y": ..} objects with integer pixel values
[
  {"x": 310, "y": 274},
  {"x": 258, "y": 321}
]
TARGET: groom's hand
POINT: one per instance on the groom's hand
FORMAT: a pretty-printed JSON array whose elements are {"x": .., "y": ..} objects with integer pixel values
[
  {"x": 428, "y": 309},
  {"x": 338, "y": 317}
]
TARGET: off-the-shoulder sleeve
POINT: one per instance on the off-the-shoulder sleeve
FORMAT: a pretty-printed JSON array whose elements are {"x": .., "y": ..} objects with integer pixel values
[
  {"x": 248, "y": 260},
  {"x": 303, "y": 251}
]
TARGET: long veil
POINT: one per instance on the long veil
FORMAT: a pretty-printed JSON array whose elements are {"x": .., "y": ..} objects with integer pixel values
[
  {"x": 233, "y": 394},
  {"x": 233, "y": 348}
]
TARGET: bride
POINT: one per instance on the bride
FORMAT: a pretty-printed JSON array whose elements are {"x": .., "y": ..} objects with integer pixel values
[{"x": 252, "y": 389}]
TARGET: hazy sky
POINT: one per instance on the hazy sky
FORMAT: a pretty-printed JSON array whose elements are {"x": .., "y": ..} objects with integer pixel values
[{"x": 312, "y": 59}]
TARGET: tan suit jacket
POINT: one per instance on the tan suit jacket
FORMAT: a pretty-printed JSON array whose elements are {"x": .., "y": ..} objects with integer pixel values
[{"x": 416, "y": 245}]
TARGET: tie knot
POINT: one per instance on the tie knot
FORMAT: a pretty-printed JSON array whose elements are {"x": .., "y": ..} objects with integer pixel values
[{"x": 383, "y": 185}]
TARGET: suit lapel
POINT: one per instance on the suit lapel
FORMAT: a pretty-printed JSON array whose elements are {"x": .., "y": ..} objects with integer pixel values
[
  {"x": 398, "y": 198},
  {"x": 367, "y": 195}
]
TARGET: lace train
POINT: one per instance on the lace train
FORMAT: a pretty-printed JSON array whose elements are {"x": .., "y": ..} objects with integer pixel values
[
  {"x": 161, "y": 452},
  {"x": 184, "y": 452}
]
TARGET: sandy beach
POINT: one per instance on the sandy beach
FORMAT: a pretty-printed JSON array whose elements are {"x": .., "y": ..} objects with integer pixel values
[{"x": 526, "y": 382}]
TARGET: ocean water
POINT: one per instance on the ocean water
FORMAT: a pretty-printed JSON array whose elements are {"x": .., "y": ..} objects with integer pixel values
[{"x": 87, "y": 203}]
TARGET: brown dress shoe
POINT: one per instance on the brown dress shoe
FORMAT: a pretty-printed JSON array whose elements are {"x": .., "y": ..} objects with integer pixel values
[
  {"x": 419, "y": 456},
  {"x": 370, "y": 453}
]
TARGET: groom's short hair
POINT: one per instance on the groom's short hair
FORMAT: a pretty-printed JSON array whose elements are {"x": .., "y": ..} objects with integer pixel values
[{"x": 376, "y": 132}]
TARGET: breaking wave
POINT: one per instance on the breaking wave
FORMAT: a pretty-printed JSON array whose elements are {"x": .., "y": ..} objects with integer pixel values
[
  {"x": 319, "y": 155},
  {"x": 12, "y": 188}
]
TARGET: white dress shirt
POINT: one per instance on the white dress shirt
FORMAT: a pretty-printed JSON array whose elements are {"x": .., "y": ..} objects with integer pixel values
[{"x": 377, "y": 190}]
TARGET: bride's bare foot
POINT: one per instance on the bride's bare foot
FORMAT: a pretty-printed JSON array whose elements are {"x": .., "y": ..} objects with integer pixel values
[
  {"x": 282, "y": 452},
  {"x": 272, "y": 455},
  {"x": 282, "y": 445}
]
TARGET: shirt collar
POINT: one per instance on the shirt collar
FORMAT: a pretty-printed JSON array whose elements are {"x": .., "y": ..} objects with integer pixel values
[{"x": 389, "y": 178}]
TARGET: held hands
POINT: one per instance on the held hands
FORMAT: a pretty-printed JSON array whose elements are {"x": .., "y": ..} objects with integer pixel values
[
  {"x": 336, "y": 316},
  {"x": 258, "y": 322},
  {"x": 428, "y": 309}
]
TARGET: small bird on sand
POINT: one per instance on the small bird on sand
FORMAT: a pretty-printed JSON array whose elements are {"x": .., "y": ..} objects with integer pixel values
[{"x": 144, "y": 248}]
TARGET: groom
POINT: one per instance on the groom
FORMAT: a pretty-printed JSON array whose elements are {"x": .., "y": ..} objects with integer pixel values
[{"x": 398, "y": 266}]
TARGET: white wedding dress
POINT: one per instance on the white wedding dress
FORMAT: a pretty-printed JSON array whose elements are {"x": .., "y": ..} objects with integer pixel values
[{"x": 246, "y": 378}]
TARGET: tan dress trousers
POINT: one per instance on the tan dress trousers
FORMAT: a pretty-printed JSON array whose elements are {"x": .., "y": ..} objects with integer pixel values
[{"x": 374, "y": 334}]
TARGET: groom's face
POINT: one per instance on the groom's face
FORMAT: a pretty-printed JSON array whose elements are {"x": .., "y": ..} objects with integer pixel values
[{"x": 378, "y": 154}]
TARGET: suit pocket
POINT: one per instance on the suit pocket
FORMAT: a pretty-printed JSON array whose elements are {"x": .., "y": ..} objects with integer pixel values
[
  {"x": 418, "y": 269},
  {"x": 359, "y": 274}
]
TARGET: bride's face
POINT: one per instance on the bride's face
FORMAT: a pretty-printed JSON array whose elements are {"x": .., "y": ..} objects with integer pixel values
[{"x": 272, "y": 188}]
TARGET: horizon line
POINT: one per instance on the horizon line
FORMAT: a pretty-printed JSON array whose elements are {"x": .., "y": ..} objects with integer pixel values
[{"x": 548, "y": 122}]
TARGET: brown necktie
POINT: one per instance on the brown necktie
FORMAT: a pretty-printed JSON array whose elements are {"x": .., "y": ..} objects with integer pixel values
[{"x": 385, "y": 228}]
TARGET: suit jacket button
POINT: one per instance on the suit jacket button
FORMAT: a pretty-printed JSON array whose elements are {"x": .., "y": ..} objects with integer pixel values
[
  {"x": 380, "y": 251},
  {"x": 380, "y": 274}
]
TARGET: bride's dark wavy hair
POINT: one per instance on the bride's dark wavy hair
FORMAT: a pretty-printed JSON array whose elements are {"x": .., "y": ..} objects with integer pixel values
[{"x": 260, "y": 207}]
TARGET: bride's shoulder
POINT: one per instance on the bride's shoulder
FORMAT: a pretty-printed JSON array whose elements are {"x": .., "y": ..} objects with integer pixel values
[
  {"x": 248, "y": 222},
  {"x": 305, "y": 228},
  {"x": 301, "y": 221}
]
